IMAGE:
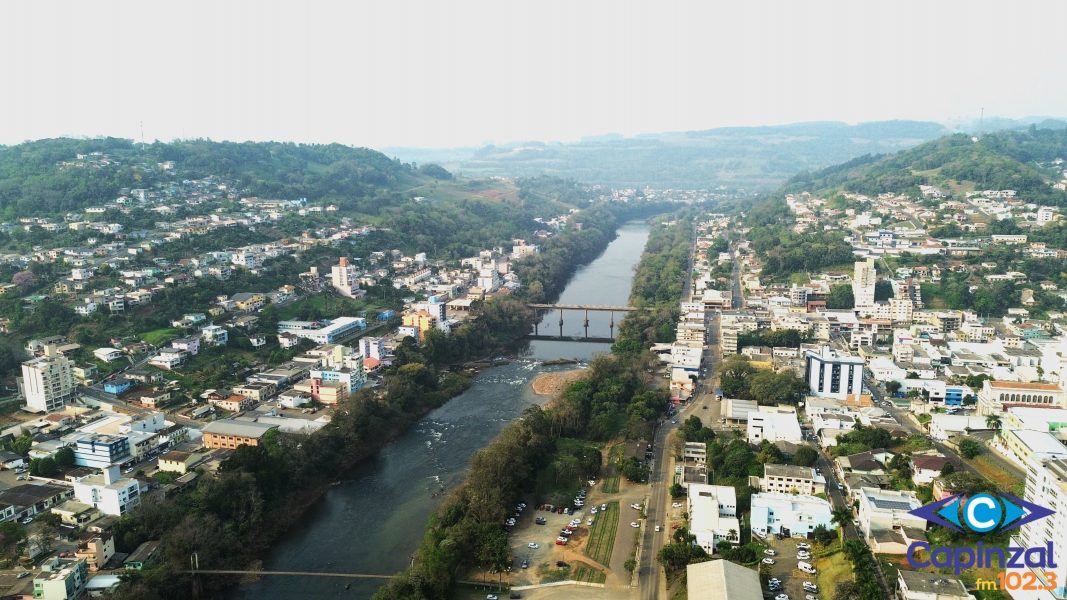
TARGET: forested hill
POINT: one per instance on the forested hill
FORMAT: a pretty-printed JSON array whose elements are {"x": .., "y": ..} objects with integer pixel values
[
  {"x": 1017, "y": 160},
  {"x": 751, "y": 158},
  {"x": 59, "y": 175}
]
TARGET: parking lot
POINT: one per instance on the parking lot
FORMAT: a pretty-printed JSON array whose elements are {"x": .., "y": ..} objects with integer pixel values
[
  {"x": 526, "y": 531},
  {"x": 785, "y": 568}
]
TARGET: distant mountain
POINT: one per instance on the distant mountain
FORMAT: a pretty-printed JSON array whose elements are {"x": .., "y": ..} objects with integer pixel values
[
  {"x": 1019, "y": 160},
  {"x": 749, "y": 158}
]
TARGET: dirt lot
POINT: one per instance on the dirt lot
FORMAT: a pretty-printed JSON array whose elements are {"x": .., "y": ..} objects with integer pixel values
[
  {"x": 541, "y": 561},
  {"x": 785, "y": 568}
]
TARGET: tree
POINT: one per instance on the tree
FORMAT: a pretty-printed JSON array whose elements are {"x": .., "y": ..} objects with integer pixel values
[
  {"x": 840, "y": 297},
  {"x": 892, "y": 387},
  {"x": 677, "y": 491},
  {"x": 630, "y": 565},
  {"x": 65, "y": 457},
  {"x": 841, "y": 516},
  {"x": 805, "y": 456},
  {"x": 43, "y": 467},
  {"x": 970, "y": 448},
  {"x": 992, "y": 422},
  {"x": 21, "y": 445},
  {"x": 948, "y": 469}
]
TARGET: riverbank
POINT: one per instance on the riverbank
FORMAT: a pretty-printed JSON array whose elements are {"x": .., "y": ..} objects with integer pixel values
[{"x": 552, "y": 384}]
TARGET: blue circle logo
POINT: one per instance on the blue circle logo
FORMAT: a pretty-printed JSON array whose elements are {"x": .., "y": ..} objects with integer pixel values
[{"x": 982, "y": 513}]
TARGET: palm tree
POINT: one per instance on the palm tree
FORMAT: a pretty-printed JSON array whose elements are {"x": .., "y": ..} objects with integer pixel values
[
  {"x": 841, "y": 516},
  {"x": 992, "y": 422}
]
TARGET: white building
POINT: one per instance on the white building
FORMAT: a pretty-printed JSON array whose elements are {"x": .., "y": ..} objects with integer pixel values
[
  {"x": 722, "y": 580},
  {"x": 791, "y": 479},
  {"x": 774, "y": 426},
  {"x": 1046, "y": 485},
  {"x": 345, "y": 278},
  {"x": 919, "y": 585},
  {"x": 107, "y": 354},
  {"x": 833, "y": 375},
  {"x": 713, "y": 515},
  {"x": 47, "y": 383},
  {"x": 323, "y": 332},
  {"x": 108, "y": 492},
  {"x": 863, "y": 280},
  {"x": 61, "y": 579},
  {"x": 886, "y": 510},
  {"x": 789, "y": 514}
]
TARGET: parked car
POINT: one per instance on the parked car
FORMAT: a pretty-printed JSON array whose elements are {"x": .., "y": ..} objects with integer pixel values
[
  {"x": 562, "y": 565},
  {"x": 634, "y": 524},
  {"x": 561, "y": 541},
  {"x": 769, "y": 552},
  {"x": 540, "y": 520},
  {"x": 768, "y": 561},
  {"x": 533, "y": 545},
  {"x": 492, "y": 597},
  {"x": 781, "y": 597},
  {"x": 27, "y": 521},
  {"x": 657, "y": 527},
  {"x": 802, "y": 555},
  {"x": 811, "y": 587},
  {"x": 525, "y": 564},
  {"x": 803, "y": 546},
  {"x": 635, "y": 506},
  {"x": 676, "y": 505},
  {"x": 810, "y": 597},
  {"x": 591, "y": 482},
  {"x": 603, "y": 507},
  {"x": 23, "y": 574}
]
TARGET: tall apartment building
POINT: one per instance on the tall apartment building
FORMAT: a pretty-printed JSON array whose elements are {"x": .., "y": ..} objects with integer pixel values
[
  {"x": 832, "y": 375},
  {"x": 863, "y": 280},
  {"x": 1046, "y": 485},
  {"x": 47, "y": 383},
  {"x": 345, "y": 278}
]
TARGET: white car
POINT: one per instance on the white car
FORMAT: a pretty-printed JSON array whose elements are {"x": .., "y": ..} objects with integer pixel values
[
  {"x": 591, "y": 482},
  {"x": 810, "y": 597},
  {"x": 769, "y": 552},
  {"x": 676, "y": 505},
  {"x": 593, "y": 510},
  {"x": 589, "y": 521},
  {"x": 803, "y": 555},
  {"x": 533, "y": 545},
  {"x": 603, "y": 507},
  {"x": 576, "y": 522},
  {"x": 811, "y": 587},
  {"x": 803, "y": 546},
  {"x": 781, "y": 597},
  {"x": 658, "y": 528},
  {"x": 634, "y": 524},
  {"x": 635, "y": 506},
  {"x": 768, "y": 561}
]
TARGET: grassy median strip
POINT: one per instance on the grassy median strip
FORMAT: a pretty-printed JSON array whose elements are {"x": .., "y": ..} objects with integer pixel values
[
  {"x": 584, "y": 573},
  {"x": 602, "y": 534},
  {"x": 611, "y": 478}
]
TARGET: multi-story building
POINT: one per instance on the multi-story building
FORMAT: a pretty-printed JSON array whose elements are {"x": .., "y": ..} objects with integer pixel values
[
  {"x": 96, "y": 550},
  {"x": 997, "y": 396},
  {"x": 795, "y": 515},
  {"x": 773, "y": 425},
  {"x": 61, "y": 579},
  {"x": 372, "y": 347},
  {"x": 231, "y": 433},
  {"x": 108, "y": 492},
  {"x": 1046, "y": 485},
  {"x": 791, "y": 479},
  {"x": 101, "y": 450},
  {"x": 324, "y": 332},
  {"x": 833, "y": 375},
  {"x": 886, "y": 510},
  {"x": 344, "y": 277},
  {"x": 919, "y": 585},
  {"x": 713, "y": 515},
  {"x": 863, "y": 280},
  {"x": 47, "y": 383}
]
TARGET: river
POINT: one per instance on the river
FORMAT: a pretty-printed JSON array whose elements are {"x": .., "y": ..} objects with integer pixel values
[{"x": 373, "y": 522}]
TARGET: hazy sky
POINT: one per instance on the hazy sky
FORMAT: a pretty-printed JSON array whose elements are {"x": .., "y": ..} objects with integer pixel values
[{"x": 454, "y": 72}]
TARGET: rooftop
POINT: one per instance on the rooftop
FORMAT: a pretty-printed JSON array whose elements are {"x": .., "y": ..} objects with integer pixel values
[
  {"x": 1018, "y": 385},
  {"x": 249, "y": 429},
  {"x": 722, "y": 580},
  {"x": 933, "y": 583},
  {"x": 793, "y": 471}
]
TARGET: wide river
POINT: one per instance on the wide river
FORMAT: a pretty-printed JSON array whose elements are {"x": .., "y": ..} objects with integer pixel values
[{"x": 373, "y": 522}]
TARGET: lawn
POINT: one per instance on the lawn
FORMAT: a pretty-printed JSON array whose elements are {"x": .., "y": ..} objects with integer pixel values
[
  {"x": 585, "y": 573},
  {"x": 991, "y": 471},
  {"x": 833, "y": 569},
  {"x": 158, "y": 336},
  {"x": 611, "y": 471},
  {"x": 602, "y": 534}
]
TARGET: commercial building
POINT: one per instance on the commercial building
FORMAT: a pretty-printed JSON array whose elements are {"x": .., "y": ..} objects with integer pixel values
[
  {"x": 919, "y": 585},
  {"x": 791, "y": 479},
  {"x": 863, "y": 282},
  {"x": 713, "y": 515},
  {"x": 47, "y": 383},
  {"x": 1046, "y": 485},
  {"x": 722, "y": 580},
  {"x": 344, "y": 278},
  {"x": 100, "y": 450},
  {"x": 833, "y": 375},
  {"x": 324, "y": 332},
  {"x": 792, "y": 515},
  {"x": 108, "y": 492},
  {"x": 229, "y": 433}
]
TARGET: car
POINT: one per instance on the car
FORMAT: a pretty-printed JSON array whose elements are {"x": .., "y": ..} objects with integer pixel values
[
  {"x": 657, "y": 527},
  {"x": 634, "y": 524},
  {"x": 810, "y": 597},
  {"x": 579, "y": 503},
  {"x": 803, "y": 555},
  {"x": 21, "y": 478},
  {"x": 591, "y": 482},
  {"x": 561, "y": 541},
  {"x": 492, "y": 597},
  {"x": 533, "y": 545},
  {"x": 810, "y": 570},
  {"x": 593, "y": 510},
  {"x": 635, "y": 506},
  {"x": 673, "y": 422},
  {"x": 769, "y": 552},
  {"x": 811, "y": 587},
  {"x": 562, "y": 565},
  {"x": 840, "y": 488},
  {"x": 768, "y": 561},
  {"x": 525, "y": 564},
  {"x": 855, "y": 523},
  {"x": 576, "y": 522},
  {"x": 676, "y": 505},
  {"x": 781, "y": 597},
  {"x": 589, "y": 521},
  {"x": 803, "y": 546},
  {"x": 603, "y": 507},
  {"x": 515, "y": 595},
  {"x": 540, "y": 521},
  {"x": 23, "y": 575},
  {"x": 27, "y": 521}
]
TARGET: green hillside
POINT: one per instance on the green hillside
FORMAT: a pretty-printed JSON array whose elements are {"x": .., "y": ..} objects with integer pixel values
[{"x": 956, "y": 164}]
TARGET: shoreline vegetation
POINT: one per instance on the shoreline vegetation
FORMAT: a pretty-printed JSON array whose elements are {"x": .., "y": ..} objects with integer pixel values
[
  {"x": 260, "y": 493},
  {"x": 552, "y": 384},
  {"x": 549, "y": 451}
]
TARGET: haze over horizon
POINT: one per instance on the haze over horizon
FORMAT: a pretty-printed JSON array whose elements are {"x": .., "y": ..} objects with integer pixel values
[{"x": 429, "y": 74}]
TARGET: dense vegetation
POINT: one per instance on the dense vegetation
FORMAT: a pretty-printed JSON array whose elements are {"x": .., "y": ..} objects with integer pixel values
[
  {"x": 1002, "y": 160},
  {"x": 738, "y": 378},
  {"x": 774, "y": 338}
]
